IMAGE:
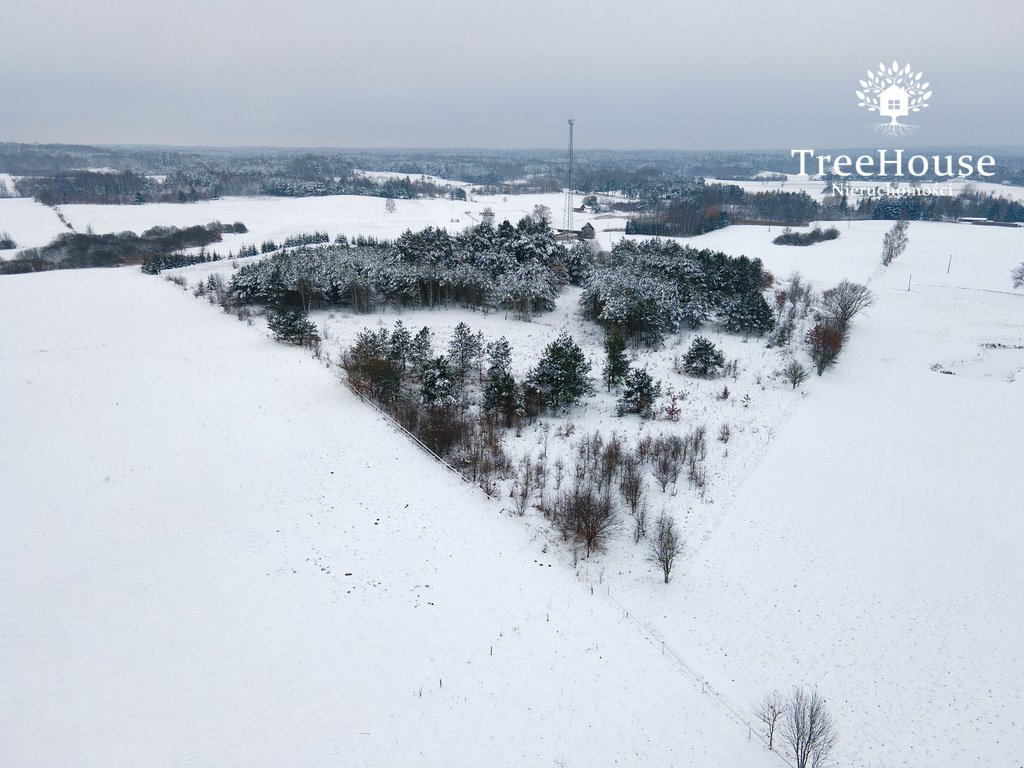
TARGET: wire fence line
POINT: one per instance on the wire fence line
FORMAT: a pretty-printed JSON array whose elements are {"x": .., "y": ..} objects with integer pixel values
[
  {"x": 705, "y": 685},
  {"x": 401, "y": 428}
]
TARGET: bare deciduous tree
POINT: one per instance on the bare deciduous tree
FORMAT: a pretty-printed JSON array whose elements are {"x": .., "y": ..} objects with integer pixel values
[
  {"x": 807, "y": 729},
  {"x": 523, "y": 487},
  {"x": 640, "y": 523},
  {"x": 794, "y": 373},
  {"x": 1018, "y": 275},
  {"x": 894, "y": 242},
  {"x": 631, "y": 482},
  {"x": 841, "y": 304},
  {"x": 825, "y": 343},
  {"x": 666, "y": 545},
  {"x": 586, "y": 515},
  {"x": 768, "y": 711}
]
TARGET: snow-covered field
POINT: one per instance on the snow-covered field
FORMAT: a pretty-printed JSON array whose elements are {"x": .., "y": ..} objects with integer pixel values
[
  {"x": 385, "y": 175},
  {"x": 214, "y": 555},
  {"x": 31, "y": 224}
]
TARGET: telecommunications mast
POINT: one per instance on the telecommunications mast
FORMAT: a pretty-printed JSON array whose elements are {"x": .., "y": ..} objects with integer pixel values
[{"x": 568, "y": 187}]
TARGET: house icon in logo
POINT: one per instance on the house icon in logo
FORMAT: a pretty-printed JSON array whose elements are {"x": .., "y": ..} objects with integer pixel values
[
  {"x": 894, "y": 91},
  {"x": 894, "y": 102}
]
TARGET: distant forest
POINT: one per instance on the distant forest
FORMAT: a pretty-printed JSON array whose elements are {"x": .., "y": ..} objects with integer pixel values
[
  {"x": 697, "y": 207},
  {"x": 665, "y": 192},
  {"x": 175, "y": 174}
]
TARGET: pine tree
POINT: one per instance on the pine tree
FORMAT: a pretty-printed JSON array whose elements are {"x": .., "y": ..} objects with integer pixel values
[
  {"x": 639, "y": 391},
  {"x": 463, "y": 350},
  {"x": 617, "y": 365},
  {"x": 292, "y": 326},
  {"x": 400, "y": 344},
  {"x": 703, "y": 359},
  {"x": 562, "y": 376},
  {"x": 499, "y": 355},
  {"x": 438, "y": 384},
  {"x": 749, "y": 313},
  {"x": 501, "y": 393},
  {"x": 421, "y": 350}
]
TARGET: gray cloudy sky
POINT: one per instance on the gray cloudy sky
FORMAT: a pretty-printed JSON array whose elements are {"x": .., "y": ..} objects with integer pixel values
[{"x": 451, "y": 73}]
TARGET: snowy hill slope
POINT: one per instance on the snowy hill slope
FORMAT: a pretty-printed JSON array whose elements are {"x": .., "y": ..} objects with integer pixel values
[
  {"x": 877, "y": 550},
  {"x": 213, "y": 555},
  {"x": 872, "y": 548},
  {"x": 31, "y": 224}
]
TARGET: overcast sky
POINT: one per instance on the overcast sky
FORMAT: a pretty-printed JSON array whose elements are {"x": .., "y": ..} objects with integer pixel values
[{"x": 450, "y": 73}]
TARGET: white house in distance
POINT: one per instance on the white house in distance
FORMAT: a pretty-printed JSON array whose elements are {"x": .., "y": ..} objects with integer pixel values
[{"x": 894, "y": 102}]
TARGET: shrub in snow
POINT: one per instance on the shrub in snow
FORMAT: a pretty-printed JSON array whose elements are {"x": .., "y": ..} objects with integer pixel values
[
  {"x": 586, "y": 515},
  {"x": 1018, "y": 275},
  {"x": 825, "y": 342},
  {"x": 816, "y": 235},
  {"x": 794, "y": 374}
]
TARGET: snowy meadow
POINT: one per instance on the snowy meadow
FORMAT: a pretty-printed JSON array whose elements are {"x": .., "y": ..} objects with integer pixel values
[{"x": 217, "y": 554}]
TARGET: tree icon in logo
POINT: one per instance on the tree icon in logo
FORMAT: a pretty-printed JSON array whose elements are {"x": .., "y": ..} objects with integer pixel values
[{"x": 894, "y": 92}]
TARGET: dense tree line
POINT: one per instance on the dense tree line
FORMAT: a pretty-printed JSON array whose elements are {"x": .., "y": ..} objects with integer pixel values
[
  {"x": 649, "y": 289},
  {"x": 193, "y": 184},
  {"x": 518, "y": 268},
  {"x": 73, "y": 250},
  {"x": 694, "y": 207},
  {"x": 154, "y": 265},
  {"x": 659, "y": 182},
  {"x": 936, "y": 208}
]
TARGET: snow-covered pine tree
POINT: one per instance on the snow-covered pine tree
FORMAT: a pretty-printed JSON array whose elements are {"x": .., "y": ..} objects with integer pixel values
[
  {"x": 437, "y": 388},
  {"x": 463, "y": 350},
  {"x": 703, "y": 358},
  {"x": 749, "y": 314},
  {"x": 639, "y": 391},
  {"x": 617, "y": 364},
  {"x": 421, "y": 350},
  {"x": 292, "y": 326},
  {"x": 400, "y": 344},
  {"x": 502, "y": 395},
  {"x": 562, "y": 376}
]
